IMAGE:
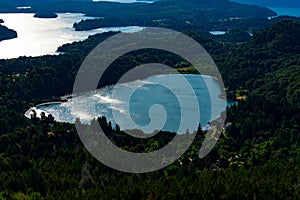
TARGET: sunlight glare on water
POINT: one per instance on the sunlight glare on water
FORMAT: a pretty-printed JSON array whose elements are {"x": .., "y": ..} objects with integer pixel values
[{"x": 38, "y": 36}]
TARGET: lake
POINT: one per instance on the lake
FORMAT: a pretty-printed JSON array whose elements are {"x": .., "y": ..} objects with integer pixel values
[
  {"x": 148, "y": 92},
  {"x": 38, "y": 36},
  {"x": 127, "y": 1},
  {"x": 295, "y": 12},
  {"x": 218, "y": 32},
  {"x": 291, "y": 7}
]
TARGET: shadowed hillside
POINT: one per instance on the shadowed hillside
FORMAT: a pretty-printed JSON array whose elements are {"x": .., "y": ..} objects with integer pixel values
[
  {"x": 6, "y": 33},
  {"x": 35, "y": 2}
]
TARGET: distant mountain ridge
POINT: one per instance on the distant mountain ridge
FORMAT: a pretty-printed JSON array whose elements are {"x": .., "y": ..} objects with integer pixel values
[
  {"x": 36, "y": 2},
  {"x": 174, "y": 14}
]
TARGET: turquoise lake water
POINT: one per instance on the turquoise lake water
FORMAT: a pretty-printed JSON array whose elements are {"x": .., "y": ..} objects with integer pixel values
[{"x": 150, "y": 97}]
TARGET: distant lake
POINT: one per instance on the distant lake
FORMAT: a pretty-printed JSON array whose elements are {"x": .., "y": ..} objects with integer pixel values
[
  {"x": 43, "y": 36},
  {"x": 128, "y": 1},
  {"x": 149, "y": 92},
  {"x": 288, "y": 10},
  {"x": 218, "y": 32},
  {"x": 295, "y": 12}
]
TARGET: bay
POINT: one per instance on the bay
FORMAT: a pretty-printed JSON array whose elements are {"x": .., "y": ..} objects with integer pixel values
[{"x": 38, "y": 36}]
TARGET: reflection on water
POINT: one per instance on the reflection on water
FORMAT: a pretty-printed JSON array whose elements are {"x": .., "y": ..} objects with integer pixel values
[
  {"x": 106, "y": 102},
  {"x": 43, "y": 36}
]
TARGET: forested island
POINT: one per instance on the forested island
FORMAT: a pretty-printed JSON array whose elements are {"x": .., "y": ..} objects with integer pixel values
[
  {"x": 45, "y": 15},
  {"x": 257, "y": 156}
]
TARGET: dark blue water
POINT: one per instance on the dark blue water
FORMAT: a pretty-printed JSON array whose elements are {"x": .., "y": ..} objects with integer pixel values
[
  {"x": 295, "y": 12},
  {"x": 289, "y": 7}
]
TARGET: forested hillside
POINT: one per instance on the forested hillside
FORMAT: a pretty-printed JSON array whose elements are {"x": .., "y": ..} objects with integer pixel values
[
  {"x": 4, "y": 7},
  {"x": 178, "y": 14},
  {"x": 257, "y": 156},
  {"x": 6, "y": 33},
  {"x": 15, "y": 3}
]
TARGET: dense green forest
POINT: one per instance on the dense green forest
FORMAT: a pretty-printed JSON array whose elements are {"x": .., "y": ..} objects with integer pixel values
[
  {"x": 6, "y": 8},
  {"x": 257, "y": 156},
  {"x": 176, "y": 14}
]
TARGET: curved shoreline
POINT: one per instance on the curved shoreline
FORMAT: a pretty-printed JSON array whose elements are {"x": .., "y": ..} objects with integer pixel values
[
  {"x": 43, "y": 107},
  {"x": 53, "y": 102}
]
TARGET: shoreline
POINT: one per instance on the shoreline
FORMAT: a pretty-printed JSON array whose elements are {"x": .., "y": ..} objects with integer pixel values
[{"x": 68, "y": 98}]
